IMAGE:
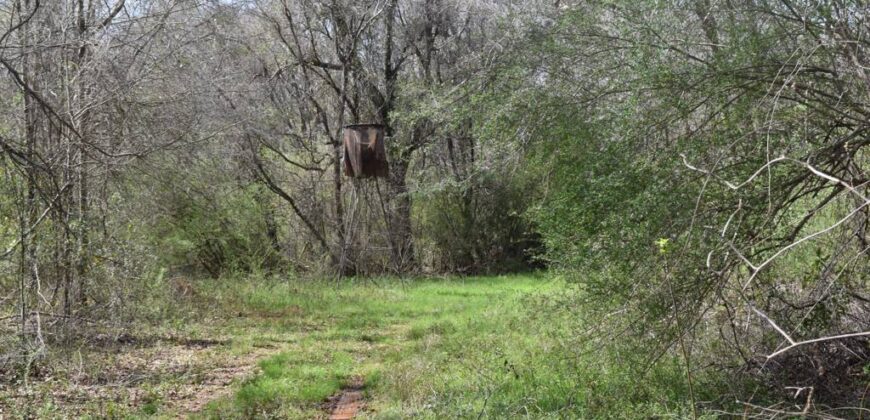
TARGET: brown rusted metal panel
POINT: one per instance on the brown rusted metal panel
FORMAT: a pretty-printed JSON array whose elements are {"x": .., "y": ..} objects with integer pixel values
[{"x": 364, "y": 153}]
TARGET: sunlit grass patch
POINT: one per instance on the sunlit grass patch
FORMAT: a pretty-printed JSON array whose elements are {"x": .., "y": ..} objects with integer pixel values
[
  {"x": 353, "y": 328},
  {"x": 488, "y": 347}
]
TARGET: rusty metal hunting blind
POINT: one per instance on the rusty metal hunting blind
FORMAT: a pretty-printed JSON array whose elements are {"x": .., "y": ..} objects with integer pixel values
[{"x": 363, "y": 153}]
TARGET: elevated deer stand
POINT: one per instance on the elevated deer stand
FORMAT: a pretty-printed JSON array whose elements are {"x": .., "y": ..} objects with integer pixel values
[{"x": 363, "y": 153}]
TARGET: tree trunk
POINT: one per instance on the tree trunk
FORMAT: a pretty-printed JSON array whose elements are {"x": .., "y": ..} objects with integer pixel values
[
  {"x": 401, "y": 235},
  {"x": 83, "y": 127},
  {"x": 29, "y": 271}
]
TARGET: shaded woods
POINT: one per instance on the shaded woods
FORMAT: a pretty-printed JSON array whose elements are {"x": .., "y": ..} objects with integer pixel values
[{"x": 697, "y": 171}]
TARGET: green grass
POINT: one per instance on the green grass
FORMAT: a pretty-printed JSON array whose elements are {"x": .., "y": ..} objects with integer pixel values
[
  {"x": 448, "y": 348},
  {"x": 483, "y": 347}
]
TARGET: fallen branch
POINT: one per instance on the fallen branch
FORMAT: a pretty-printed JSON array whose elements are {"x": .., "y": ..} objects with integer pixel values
[
  {"x": 817, "y": 340},
  {"x": 794, "y": 344}
]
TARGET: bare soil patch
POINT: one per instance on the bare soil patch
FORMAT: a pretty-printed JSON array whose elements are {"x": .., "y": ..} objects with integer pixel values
[
  {"x": 177, "y": 375},
  {"x": 348, "y": 402}
]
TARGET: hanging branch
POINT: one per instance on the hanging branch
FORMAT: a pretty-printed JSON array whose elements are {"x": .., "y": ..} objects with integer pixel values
[{"x": 264, "y": 175}]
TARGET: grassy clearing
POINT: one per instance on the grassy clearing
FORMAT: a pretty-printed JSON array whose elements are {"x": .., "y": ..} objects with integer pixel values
[
  {"x": 476, "y": 347},
  {"x": 486, "y": 347},
  {"x": 358, "y": 328}
]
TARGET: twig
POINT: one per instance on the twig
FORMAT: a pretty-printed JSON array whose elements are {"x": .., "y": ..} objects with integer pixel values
[
  {"x": 817, "y": 340},
  {"x": 793, "y": 344},
  {"x": 773, "y": 324}
]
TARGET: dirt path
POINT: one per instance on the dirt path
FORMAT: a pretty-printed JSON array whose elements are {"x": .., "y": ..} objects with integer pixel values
[
  {"x": 216, "y": 383},
  {"x": 180, "y": 376},
  {"x": 349, "y": 401}
]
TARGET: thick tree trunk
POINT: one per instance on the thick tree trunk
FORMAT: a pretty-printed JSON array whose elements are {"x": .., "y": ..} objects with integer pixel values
[
  {"x": 401, "y": 235},
  {"x": 345, "y": 266},
  {"x": 82, "y": 256},
  {"x": 28, "y": 273},
  {"x": 399, "y": 220}
]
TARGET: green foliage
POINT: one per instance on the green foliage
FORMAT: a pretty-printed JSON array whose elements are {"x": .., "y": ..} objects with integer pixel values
[
  {"x": 476, "y": 225},
  {"x": 468, "y": 209},
  {"x": 627, "y": 145},
  {"x": 216, "y": 226},
  {"x": 226, "y": 232},
  {"x": 641, "y": 143}
]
